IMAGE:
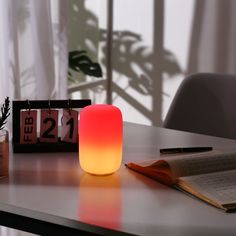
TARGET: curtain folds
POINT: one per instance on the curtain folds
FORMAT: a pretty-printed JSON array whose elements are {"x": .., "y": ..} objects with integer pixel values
[
  {"x": 42, "y": 48},
  {"x": 33, "y": 46},
  {"x": 4, "y": 55},
  {"x": 212, "y": 46}
]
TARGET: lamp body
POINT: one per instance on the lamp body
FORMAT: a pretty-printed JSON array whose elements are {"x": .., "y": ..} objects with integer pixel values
[{"x": 100, "y": 139}]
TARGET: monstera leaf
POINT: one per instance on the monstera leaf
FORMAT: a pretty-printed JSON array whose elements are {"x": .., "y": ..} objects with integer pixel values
[{"x": 80, "y": 62}]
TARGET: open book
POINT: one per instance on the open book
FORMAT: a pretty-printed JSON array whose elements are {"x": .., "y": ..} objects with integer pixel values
[{"x": 210, "y": 176}]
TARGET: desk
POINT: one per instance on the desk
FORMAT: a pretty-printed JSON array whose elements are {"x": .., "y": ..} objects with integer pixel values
[{"x": 49, "y": 193}]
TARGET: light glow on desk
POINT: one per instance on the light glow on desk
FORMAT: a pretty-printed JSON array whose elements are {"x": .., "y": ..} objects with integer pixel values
[
  {"x": 100, "y": 139},
  {"x": 100, "y": 201}
]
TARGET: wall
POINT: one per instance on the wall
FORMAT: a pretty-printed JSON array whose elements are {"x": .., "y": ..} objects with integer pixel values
[{"x": 150, "y": 49}]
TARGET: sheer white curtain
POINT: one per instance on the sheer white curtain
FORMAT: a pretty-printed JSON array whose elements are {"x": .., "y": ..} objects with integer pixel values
[
  {"x": 33, "y": 49},
  {"x": 213, "y": 47}
]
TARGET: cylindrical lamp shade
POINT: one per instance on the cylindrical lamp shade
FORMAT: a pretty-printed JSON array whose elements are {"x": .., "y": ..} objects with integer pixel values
[{"x": 100, "y": 139}]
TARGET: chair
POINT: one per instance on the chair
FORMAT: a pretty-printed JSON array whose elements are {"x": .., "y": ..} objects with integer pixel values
[{"x": 205, "y": 104}]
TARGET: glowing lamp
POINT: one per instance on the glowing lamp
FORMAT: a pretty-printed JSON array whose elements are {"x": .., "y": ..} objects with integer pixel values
[{"x": 100, "y": 139}]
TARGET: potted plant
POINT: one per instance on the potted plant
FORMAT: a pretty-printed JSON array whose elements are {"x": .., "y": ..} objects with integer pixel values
[{"x": 4, "y": 138}]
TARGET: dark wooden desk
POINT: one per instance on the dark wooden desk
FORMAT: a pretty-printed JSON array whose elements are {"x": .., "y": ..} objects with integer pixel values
[{"x": 50, "y": 194}]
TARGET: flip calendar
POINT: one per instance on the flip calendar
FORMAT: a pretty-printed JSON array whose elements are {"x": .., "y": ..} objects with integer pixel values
[{"x": 46, "y": 125}]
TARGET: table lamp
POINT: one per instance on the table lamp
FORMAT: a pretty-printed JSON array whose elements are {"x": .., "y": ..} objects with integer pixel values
[{"x": 100, "y": 139}]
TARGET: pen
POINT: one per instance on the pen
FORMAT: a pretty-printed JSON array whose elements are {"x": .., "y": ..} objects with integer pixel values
[{"x": 184, "y": 150}]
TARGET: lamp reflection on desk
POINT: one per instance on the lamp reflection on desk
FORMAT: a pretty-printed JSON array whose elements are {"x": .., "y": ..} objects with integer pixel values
[
  {"x": 100, "y": 139},
  {"x": 100, "y": 200}
]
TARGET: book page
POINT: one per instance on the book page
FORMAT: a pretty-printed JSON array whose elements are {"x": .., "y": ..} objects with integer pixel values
[
  {"x": 194, "y": 164},
  {"x": 158, "y": 170},
  {"x": 169, "y": 168},
  {"x": 215, "y": 188}
]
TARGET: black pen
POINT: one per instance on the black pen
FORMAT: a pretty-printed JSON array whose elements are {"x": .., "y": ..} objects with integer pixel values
[{"x": 184, "y": 150}]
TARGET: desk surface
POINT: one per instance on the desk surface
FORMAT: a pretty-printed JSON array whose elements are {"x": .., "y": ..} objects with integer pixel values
[{"x": 50, "y": 192}]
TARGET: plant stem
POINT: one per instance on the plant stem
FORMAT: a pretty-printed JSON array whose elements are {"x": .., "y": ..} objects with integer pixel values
[{"x": 4, "y": 113}]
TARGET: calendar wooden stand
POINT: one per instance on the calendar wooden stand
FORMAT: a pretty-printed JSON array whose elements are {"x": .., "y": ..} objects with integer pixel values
[{"x": 59, "y": 146}]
